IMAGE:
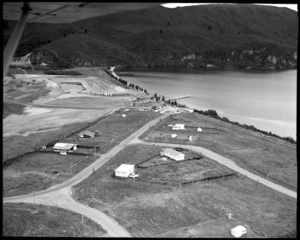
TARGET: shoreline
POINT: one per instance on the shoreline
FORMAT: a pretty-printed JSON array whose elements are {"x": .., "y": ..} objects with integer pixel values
[{"x": 199, "y": 108}]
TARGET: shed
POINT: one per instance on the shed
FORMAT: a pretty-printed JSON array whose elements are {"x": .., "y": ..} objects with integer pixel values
[
  {"x": 178, "y": 126},
  {"x": 199, "y": 129},
  {"x": 123, "y": 115},
  {"x": 238, "y": 231},
  {"x": 171, "y": 153},
  {"x": 66, "y": 147},
  {"x": 87, "y": 134},
  {"x": 173, "y": 135},
  {"x": 124, "y": 170}
]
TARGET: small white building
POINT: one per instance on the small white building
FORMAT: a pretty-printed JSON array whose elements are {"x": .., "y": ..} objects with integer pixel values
[
  {"x": 178, "y": 127},
  {"x": 238, "y": 231},
  {"x": 64, "y": 147},
  {"x": 171, "y": 153},
  {"x": 124, "y": 170},
  {"x": 173, "y": 135},
  {"x": 199, "y": 129},
  {"x": 123, "y": 115}
]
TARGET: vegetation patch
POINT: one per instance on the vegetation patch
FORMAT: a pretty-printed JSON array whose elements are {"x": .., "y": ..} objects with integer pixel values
[
  {"x": 12, "y": 108},
  {"x": 27, "y": 220}
]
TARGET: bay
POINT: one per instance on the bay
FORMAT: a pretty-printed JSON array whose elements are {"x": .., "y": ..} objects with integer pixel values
[{"x": 264, "y": 99}]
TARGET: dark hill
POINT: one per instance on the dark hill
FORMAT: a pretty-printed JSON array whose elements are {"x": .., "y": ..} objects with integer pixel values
[
  {"x": 225, "y": 35},
  {"x": 84, "y": 50}
]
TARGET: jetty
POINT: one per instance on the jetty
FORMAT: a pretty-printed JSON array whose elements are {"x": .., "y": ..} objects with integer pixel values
[{"x": 180, "y": 97}]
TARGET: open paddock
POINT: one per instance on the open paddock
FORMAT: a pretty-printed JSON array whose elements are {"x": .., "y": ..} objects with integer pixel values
[
  {"x": 216, "y": 228},
  {"x": 268, "y": 157},
  {"x": 148, "y": 209},
  {"x": 28, "y": 220},
  {"x": 113, "y": 129},
  {"x": 164, "y": 136},
  {"x": 44, "y": 166}
]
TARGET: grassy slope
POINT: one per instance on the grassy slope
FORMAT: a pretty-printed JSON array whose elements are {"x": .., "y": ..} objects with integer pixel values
[{"x": 42, "y": 221}]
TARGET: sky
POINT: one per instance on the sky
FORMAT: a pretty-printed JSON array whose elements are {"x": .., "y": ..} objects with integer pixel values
[{"x": 174, "y": 5}]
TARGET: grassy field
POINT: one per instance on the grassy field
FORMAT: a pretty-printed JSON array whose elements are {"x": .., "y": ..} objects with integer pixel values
[
  {"x": 38, "y": 171},
  {"x": 265, "y": 156},
  {"x": 26, "y": 220},
  {"x": 16, "y": 144},
  {"x": 147, "y": 207},
  {"x": 114, "y": 128},
  {"x": 218, "y": 228},
  {"x": 11, "y": 108}
]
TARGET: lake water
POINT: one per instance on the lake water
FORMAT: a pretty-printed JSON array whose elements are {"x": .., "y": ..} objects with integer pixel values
[{"x": 264, "y": 99}]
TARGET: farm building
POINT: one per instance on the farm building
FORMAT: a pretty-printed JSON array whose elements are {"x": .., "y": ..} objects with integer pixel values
[
  {"x": 178, "y": 127},
  {"x": 87, "y": 134},
  {"x": 171, "y": 153},
  {"x": 124, "y": 170},
  {"x": 238, "y": 231},
  {"x": 199, "y": 129},
  {"x": 66, "y": 147}
]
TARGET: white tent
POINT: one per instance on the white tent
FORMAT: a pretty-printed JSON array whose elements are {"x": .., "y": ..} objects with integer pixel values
[{"x": 238, "y": 231}]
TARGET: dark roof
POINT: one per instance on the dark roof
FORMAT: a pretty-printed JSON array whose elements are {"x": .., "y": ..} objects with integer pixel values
[{"x": 88, "y": 133}]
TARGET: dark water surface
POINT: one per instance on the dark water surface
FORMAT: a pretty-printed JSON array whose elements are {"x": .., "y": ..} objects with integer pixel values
[{"x": 265, "y": 99}]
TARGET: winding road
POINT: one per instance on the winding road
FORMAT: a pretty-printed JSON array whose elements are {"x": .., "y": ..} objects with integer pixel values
[{"x": 61, "y": 195}]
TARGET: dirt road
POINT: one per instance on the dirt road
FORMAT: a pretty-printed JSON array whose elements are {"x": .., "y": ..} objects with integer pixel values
[
  {"x": 60, "y": 195},
  {"x": 228, "y": 163}
]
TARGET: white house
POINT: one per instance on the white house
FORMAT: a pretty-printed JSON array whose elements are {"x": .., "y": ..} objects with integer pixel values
[
  {"x": 124, "y": 170},
  {"x": 66, "y": 147},
  {"x": 238, "y": 231},
  {"x": 171, "y": 153},
  {"x": 199, "y": 129},
  {"x": 178, "y": 127}
]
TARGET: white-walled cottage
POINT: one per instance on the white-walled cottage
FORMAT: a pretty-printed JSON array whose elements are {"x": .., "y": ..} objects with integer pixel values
[{"x": 171, "y": 153}]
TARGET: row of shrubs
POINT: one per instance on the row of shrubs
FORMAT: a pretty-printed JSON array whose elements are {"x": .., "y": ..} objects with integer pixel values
[
  {"x": 61, "y": 72},
  {"x": 131, "y": 85},
  {"x": 214, "y": 114},
  {"x": 209, "y": 178}
]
